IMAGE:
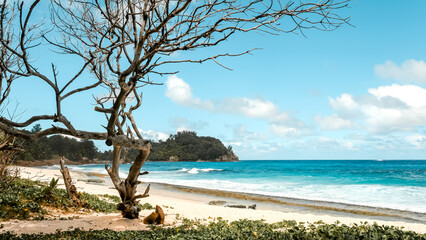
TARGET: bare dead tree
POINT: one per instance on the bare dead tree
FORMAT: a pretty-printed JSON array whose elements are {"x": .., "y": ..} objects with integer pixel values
[{"x": 123, "y": 44}]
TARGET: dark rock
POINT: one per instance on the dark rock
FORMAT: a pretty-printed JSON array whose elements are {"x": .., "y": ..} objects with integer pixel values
[
  {"x": 95, "y": 181},
  {"x": 252, "y": 207},
  {"x": 236, "y": 206},
  {"x": 217, "y": 203},
  {"x": 229, "y": 157}
]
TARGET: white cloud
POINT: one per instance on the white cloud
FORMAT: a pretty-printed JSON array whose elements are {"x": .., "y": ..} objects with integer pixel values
[
  {"x": 252, "y": 108},
  {"x": 386, "y": 109},
  {"x": 250, "y": 143},
  {"x": 180, "y": 92},
  {"x": 153, "y": 135},
  {"x": 333, "y": 122},
  {"x": 411, "y": 95},
  {"x": 182, "y": 123},
  {"x": 410, "y": 71},
  {"x": 233, "y": 143},
  {"x": 284, "y": 131},
  {"x": 330, "y": 143},
  {"x": 182, "y": 128},
  {"x": 344, "y": 102},
  {"x": 417, "y": 140},
  {"x": 257, "y": 108},
  {"x": 345, "y": 106},
  {"x": 71, "y": 137},
  {"x": 242, "y": 134}
]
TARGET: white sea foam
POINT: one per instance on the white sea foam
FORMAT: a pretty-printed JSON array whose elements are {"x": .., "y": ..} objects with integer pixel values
[
  {"x": 198, "y": 170},
  {"x": 54, "y": 167},
  {"x": 88, "y": 168}
]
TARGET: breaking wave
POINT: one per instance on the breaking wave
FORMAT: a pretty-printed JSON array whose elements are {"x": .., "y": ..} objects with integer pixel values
[{"x": 199, "y": 170}]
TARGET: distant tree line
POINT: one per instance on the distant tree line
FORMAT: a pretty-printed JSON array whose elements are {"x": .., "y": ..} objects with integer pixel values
[
  {"x": 58, "y": 145},
  {"x": 182, "y": 146}
]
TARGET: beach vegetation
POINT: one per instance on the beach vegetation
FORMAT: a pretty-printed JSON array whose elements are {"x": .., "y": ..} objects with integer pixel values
[
  {"x": 48, "y": 189},
  {"x": 114, "y": 199},
  {"x": 241, "y": 229},
  {"x": 146, "y": 206},
  {"x": 27, "y": 199}
]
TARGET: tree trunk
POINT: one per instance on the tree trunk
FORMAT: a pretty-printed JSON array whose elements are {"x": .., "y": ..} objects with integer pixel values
[
  {"x": 127, "y": 189},
  {"x": 71, "y": 189}
]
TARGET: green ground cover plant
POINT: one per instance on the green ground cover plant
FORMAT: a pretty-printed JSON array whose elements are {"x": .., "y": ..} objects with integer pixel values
[
  {"x": 26, "y": 199},
  {"x": 242, "y": 229}
]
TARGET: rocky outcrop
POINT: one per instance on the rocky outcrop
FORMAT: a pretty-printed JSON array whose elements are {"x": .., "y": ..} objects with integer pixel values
[{"x": 229, "y": 157}]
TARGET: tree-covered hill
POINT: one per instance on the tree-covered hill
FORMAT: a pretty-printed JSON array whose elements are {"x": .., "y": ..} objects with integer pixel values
[{"x": 187, "y": 146}]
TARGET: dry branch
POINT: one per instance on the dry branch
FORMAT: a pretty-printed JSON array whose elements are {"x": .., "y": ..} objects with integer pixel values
[{"x": 71, "y": 189}]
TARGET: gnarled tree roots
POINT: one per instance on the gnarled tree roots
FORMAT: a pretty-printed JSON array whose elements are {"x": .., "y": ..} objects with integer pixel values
[{"x": 129, "y": 209}]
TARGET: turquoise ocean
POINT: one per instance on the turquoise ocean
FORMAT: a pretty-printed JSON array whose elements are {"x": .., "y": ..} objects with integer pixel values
[{"x": 385, "y": 184}]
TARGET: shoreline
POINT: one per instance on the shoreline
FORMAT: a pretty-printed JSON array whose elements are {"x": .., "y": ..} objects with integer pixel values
[
  {"x": 193, "y": 203},
  {"x": 296, "y": 203}
]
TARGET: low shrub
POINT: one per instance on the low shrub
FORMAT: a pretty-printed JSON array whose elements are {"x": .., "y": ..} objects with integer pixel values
[
  {"x": 146, "y": 206},
  {"x": 242, "y": 229},
  {"x": 25, "y": 199},
  {"x": 93, "y": 202},
  {"x": 114, "y": 199}
]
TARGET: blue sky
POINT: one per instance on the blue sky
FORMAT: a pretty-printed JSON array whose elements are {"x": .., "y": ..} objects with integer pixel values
[{"x": 354, "y": 93}]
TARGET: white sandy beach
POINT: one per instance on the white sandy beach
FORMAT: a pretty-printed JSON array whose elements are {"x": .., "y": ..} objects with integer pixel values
[{"x": 174, "y": 204}]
